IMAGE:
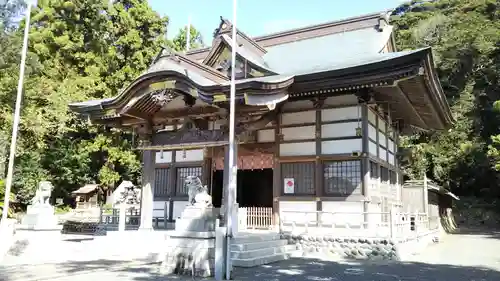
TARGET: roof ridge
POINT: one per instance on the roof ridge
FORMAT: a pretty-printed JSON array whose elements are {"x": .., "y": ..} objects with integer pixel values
[
  {"x": 319, "y": 26},
  {"x": 382, "y": 15}
]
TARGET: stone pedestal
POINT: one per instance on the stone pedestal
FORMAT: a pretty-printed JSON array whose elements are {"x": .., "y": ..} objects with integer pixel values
[
  {"x": 40, "y": 217},
  {"x": 190, "y": 248}
]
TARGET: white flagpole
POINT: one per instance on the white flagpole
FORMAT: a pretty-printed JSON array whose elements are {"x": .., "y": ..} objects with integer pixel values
[
  {"x": 17, "y": 113},
  {"x": 188, "y": 34},
  {"x": 231, "y": 198}
]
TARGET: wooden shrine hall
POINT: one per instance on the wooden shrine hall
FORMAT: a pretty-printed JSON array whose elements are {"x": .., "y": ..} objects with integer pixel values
[{"x": 319, "y": 112}]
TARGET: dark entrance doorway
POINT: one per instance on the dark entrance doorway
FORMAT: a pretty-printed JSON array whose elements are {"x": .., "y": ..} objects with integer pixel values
[{"x": 254, "y": 188}]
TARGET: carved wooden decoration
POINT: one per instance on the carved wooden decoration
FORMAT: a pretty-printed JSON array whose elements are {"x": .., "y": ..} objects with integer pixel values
[
  {"x": 161, "y": 97},
  {"x": 318, "y": 102}
]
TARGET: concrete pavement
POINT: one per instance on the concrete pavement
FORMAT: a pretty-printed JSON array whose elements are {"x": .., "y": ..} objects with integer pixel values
[{"x": 462, "y": 257}]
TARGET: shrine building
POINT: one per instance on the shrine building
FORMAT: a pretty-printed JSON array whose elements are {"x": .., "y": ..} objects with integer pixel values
[{"x": 319, "y": 112}]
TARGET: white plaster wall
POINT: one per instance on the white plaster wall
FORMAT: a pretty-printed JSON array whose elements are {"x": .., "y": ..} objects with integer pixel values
[
  {"x": 341, "y": 213},
  {"x": 159, "y": 208},
  {"x": 374, "y": 216},
  {"x": 189, "y": 155},
  {"x": 343, "y": 113},
  {"x": 383, "y": 153},
  {"x": 179, "y": 207},
  {"x": 391, "y": 159},
  {"x": 163, "y": 157},
  {"x": 342, "y": 100},
  {"x": 372, "y": 132},
  {"x": 391, "y": 146},
  {"x": 381, "y": 138},
  {"x": 340, "y": 146},
  {"x": 298, "y": 117},
  {"x": 293, "y": 211},
  {"x": 336, "y": 130},
  {"x": 298, "y": 149},
  {"x": 373, "y": 183},
  {"x": 372, "y": 117},
  {"x": 298, "y": 133},
  {"x": 381, "y": 124},
  {"x": 372, "y": 148},
  {"x": 265, "y": 135}
]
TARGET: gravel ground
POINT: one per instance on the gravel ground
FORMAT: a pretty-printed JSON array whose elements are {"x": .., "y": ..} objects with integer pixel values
[{"x": 468, "y": 256}]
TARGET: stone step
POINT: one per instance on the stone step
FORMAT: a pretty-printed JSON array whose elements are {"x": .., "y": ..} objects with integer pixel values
[
  {"x": 258, "y": 245},
  {"x": 252, "y": 262},
  {"x": 262, "y": 252},
  {"x": 253, "y": 238}
]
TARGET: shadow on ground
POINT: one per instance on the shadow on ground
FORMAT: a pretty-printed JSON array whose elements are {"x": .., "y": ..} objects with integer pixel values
[
  {"x": 293, "y": 269},
  {"x": 485, "y": 232}
]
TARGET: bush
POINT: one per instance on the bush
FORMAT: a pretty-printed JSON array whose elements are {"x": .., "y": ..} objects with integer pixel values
[
  {"x": 63, "y": 209},
  {"x": 2, "y": 197}
]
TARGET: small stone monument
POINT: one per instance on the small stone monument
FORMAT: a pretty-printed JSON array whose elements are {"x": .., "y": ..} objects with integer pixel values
[
  {"x": 191, "y": 247},
  {"x": 40, "y": 214}
]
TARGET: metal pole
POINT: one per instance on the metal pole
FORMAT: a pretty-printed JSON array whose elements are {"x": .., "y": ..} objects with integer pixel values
[
  {"x": 188, "y": 34},
  {"x": 17, "y": 113},
  {"x": 232, "y": 151}
]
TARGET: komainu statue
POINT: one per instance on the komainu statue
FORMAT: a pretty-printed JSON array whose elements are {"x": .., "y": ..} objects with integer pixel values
[
  {"x": 43, "y": 193},
  {"x": 197, "y": 192}
]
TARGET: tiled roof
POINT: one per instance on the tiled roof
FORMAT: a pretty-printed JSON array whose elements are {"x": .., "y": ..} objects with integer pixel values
[{"x": 335, "y": 48}]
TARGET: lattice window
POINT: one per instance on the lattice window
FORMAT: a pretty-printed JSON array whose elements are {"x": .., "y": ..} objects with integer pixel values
[
  {"x": 342, "y": 177},
  {"x": 182, "y": 173},
  {"x": 161, "y": 188},
  {"x": 373, "y": 170},
  {"x": 384, "y": 174},
  {"x": 302, "y": 174}
]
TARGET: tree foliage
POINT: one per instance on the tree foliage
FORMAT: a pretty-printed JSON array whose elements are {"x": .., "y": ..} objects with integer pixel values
[
  {"x": 78, "y": 50},
  {"x": 179, "y": 42},
  {"x": 465, "y": 37}
]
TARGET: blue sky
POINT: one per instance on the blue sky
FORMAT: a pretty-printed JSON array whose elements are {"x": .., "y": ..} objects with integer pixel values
[{"x": 260, "y": 17}]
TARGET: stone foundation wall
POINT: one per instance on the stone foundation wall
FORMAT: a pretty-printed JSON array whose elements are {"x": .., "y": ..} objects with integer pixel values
[
  {"x": 352, "y": 248},
  {"x": 360, "y": 248}
]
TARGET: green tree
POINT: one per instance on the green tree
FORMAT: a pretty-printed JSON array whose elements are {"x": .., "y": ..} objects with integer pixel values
[
  {"x": 178, "y": 43},
  {"x": 2, "y": 196},
  {"x": 78, "y": 50},
  {"x": 465, "y": 36}
]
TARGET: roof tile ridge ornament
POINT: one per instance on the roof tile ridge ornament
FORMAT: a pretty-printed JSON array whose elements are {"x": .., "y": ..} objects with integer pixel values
[
  {"x": 164, "y": 51},
  {"x": 225, "y": 26},
  {"x": 383, "y": 21}
]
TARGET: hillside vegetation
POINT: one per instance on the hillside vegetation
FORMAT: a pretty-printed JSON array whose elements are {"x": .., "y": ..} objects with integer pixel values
[{"x": 90, "y": 49}]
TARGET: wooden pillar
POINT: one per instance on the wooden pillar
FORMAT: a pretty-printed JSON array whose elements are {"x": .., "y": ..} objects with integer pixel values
[
  {"x": 277, "y": 182},
  {"x": 148, "y": 178},
  {"x": 379, "y": 170},
  {"x": 171, "y": 184},
  {"x": 365, "y": 160},
  {"x": 388, "y": 118},
  {"x": 396, "y": 163},
  {"x": 318, "y": 171},
  {"x": 206, "y": 169}
]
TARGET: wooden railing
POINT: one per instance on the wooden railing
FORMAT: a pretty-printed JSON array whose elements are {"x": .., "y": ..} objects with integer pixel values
[
  {"x": 257, "y": 217},
  {"x": 350, "y": 224}
]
